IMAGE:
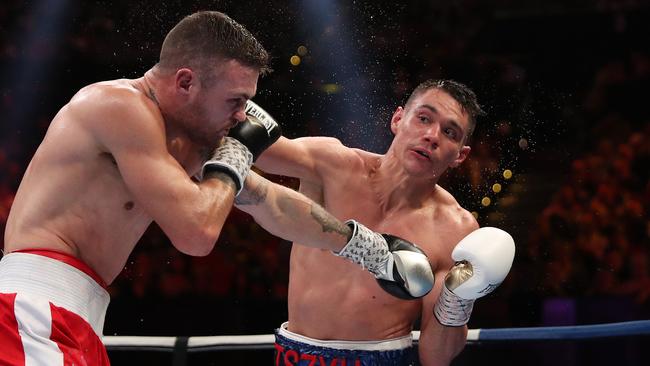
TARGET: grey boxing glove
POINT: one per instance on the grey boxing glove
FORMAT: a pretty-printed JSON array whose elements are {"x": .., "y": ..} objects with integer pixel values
[
  {"x": 400, "y": 267},
  {"x": 232, "y": 158},
  {"x": 245, "y": 142}
]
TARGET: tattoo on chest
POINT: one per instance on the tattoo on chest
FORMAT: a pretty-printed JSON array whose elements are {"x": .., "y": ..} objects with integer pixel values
[
  {"x": 253, "y": 195},
  {"x": 328, "y": 222},
  {"x": 152, "y": 95}
]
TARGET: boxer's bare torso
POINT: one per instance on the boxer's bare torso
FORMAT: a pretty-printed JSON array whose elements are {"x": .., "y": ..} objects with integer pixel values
[
  {"x": 395, "y": 193},
  {"x": 330, "y": 298},
  {"x": 73, "y": 198},
  {"x": 111, "y": 163}
]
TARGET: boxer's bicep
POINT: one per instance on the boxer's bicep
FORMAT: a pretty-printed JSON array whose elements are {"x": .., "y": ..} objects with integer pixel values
[
  {"x": 306, "y": 158},
  {"x": 137, "y": 143},
  {"x": 190, "y": 214}
]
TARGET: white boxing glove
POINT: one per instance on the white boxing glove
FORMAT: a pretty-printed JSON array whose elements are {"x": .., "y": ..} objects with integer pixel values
[{"x": 483, "y": 259}]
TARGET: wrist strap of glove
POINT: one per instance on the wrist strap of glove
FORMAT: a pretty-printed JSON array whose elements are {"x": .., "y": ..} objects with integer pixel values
[
  {"x": 232, "y": 158},
  {"x": 451, "y": 310},
  {"x": 369, "y": 250}
]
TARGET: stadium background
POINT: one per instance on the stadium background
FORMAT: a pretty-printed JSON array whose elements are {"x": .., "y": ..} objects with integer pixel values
[{"x": 565, "y": 88}]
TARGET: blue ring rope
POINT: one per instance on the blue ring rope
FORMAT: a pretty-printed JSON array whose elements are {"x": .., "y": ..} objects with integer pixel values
[
  {"x": 631, "y": 328},
  {"x": 265, "y": 341}
]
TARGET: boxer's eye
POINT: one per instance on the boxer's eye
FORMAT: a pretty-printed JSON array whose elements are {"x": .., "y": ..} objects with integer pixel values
[
  {"x": 236, "y": 103},
  {"x": 451, "y": 133}
]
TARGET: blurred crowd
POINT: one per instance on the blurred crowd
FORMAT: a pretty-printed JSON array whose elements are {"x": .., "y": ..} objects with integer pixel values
[{"x": 593, "y": 237}]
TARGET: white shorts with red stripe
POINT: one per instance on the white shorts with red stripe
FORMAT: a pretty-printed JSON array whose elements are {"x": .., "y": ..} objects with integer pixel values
[{"x": 51, "y": 312}]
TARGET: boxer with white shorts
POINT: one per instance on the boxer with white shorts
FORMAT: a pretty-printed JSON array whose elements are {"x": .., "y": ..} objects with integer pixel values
[
  {"x": 52, "y": 309},
  {"x": 122, "y": 154}
]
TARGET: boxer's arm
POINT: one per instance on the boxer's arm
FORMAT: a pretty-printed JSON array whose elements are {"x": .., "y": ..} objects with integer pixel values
[
  {"x": 306, "y": 158},
  {"x": 190, "y": 214},
  {"x": 402, "y": 269},
  {"x": 439, "y": 344},
  {"x": 290, "y": 215}
]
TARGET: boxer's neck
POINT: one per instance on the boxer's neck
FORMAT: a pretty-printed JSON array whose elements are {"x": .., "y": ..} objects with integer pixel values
[
  {"x": 179, "y": 144},
  {"x": 395, "y": 188}
]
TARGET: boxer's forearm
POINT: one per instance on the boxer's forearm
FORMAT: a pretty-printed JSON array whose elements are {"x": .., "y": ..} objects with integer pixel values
[
  {"x": 290, "y": 215},
  {"x": 439, "y": 345}
]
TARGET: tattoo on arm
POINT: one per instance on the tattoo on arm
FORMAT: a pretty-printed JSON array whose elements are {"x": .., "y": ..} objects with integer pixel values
[
  {"x": 292, "y": 205},
  {"x": 253, "y": 195},
  {"x": 210, "y": 174},
  {"x": 328, "y": 222}
]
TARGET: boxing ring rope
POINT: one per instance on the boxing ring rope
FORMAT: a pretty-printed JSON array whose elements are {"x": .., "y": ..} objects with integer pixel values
[{"x": 265, "y": 341}]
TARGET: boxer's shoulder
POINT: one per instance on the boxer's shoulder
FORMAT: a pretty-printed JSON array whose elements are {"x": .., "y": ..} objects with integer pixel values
[
  {"x": 111, "y": 98},
  {"x": 324, "y": 145},
  {"x": 447, "y": 205},
  {"x": 113, "y": 110},
  {"x": 329, "y": 155},
  {"x": 449, "y": 219}
]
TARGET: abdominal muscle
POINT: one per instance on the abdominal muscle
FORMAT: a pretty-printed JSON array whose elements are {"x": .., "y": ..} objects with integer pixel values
[
  {"x": 77, "y": 206},
  {"x": 331, "y": 298}
]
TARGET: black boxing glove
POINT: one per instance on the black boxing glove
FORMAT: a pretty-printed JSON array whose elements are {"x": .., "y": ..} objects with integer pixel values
[
  {"x": 401, "y": 268},
  {"x": 244, "y": 143},
  {"x": 258, "y": 131}
]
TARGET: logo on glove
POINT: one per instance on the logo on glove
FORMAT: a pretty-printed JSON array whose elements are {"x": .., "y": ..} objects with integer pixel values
[{"x": 489, "y": 288}]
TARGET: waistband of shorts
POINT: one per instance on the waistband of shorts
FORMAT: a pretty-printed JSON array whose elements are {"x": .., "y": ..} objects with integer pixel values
[
  {"x": 67, "y": 259},
  {"x": 61, "y": 283},
  {"x": 379, "y": 345}
]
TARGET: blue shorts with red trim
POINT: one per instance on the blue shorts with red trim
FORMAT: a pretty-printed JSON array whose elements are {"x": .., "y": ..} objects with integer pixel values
[{"x": 289, "y": 352}]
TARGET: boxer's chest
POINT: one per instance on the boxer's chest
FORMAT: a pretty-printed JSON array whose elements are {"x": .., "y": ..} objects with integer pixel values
[
  {"x": 427, "y": 226},
  {"x": 356, "y": 201}
]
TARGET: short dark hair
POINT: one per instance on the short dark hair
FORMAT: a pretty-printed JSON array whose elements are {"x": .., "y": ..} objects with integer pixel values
[
  {"x": 206, "y": 35},
  {"x": 460, "y": 92}
]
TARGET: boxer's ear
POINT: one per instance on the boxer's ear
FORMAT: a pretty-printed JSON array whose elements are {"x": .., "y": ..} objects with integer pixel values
[
  {"x": 396, "y": 119},
  {"x": 185, "y": 81},
  {"x": 462, "y": 155}
]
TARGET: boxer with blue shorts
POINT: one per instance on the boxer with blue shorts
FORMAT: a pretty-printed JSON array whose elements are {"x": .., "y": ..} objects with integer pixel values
[{"x": 292, "y": 349}]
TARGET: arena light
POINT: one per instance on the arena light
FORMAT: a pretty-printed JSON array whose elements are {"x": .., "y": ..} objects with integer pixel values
[
  {"x": 294, "y": 60},
  {"x": 331, "y": 88},
  {"x": 337, "y": 60},
  {"x": 37, "y": 49}
]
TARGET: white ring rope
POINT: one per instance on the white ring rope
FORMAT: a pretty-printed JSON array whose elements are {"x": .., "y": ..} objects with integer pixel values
[{"x": 266, "y": 341}]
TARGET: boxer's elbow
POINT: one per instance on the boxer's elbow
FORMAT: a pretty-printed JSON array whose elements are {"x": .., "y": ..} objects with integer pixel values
[
  {"x": 197, "y": 242},
  {"x": 196, "y": 247}
]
